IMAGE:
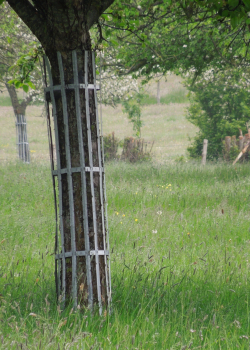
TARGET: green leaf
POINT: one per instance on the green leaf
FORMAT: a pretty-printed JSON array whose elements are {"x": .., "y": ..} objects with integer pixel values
[
  {"x": 18, "y": 84},
  {"x": 31, "y": 85},
  {"x": 247, "y": 36},
  {"x": 234, "y": 21},
  {"x": 225, "y": 13},
  {"x": 247, "y": 4},
  {"x": 233, "y": 3},
  {"x": 25, "y": 88}
]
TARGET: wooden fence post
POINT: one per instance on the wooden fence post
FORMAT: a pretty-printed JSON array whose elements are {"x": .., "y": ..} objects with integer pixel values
[
  {"x": 204, "y": 152},
  {"x": 158, "y": 92},
  {"x": 241, "y": 139}
]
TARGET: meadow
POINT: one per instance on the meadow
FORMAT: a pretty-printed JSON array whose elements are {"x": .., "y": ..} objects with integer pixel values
[{"x": 179, "y": 238}]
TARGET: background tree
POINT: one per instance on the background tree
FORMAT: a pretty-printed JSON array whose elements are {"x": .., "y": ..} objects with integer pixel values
[
  {"x": 192, "y": 40},
  {"x": 219, "y": 107},
  {"x": 16, "y": 40}
]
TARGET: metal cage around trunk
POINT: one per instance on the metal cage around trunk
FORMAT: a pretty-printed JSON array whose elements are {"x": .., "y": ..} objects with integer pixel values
[
  {"x": 95, "y": 252},
  {"x": 22, "y": 138}
]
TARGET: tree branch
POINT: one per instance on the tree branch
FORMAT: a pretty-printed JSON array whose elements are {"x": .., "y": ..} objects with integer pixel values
[
  {"x": 34, "y": 19},
  {"x": 96, "y": 10}
]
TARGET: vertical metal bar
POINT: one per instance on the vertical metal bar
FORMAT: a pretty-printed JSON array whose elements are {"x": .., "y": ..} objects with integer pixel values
[
  {"x": 21, "y": 139},
  {"x": 24, "y": 139},
  {"x": 17, "y": 143},
  {"x": 104, "y": 182},
  {"x": 92, "y": 182},
  {"x": 59, "y": 178},
  {"x": 26, "y": 142},
  {"x": 57, "y": 262},
  {"x": 70, "y": 181},
  {"x": 22, "y": 136},
  {"x": 83, "y": 179},
  {"x": 100, "y": 178},
  {"x": 18, "y": 136}
]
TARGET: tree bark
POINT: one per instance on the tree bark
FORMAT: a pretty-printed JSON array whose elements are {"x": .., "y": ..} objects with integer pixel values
[
  {"x": 19, "y": 108},
  {"x": 63, "y": 26}
]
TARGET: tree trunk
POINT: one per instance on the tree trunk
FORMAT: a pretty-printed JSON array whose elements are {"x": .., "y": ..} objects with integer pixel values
[
  {"x": 23, "y": 150},
  {"x": 83, "y": 273},
  {"x": 63, "y": 27}
]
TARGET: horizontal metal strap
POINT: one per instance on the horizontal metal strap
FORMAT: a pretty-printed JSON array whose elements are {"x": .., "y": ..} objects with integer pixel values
[
  {"x": 82, "y": 253},
  {"x": 21, "y": 123},
  {"x": 76, "y": 170},
  {"x": 72, "y": 87},
  {"x": 22, "y": 143}
]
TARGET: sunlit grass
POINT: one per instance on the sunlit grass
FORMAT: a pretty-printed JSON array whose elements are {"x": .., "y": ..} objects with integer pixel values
[
  {"x": 5, "y": 101},
  {"x": 178, "y": 96},
  {"x": 179, "y": 238}
]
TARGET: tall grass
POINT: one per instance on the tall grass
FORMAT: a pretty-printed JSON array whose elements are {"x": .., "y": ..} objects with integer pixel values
[
  {"x": 175, "y": 96},
  {"x": 179, "y": 238}
]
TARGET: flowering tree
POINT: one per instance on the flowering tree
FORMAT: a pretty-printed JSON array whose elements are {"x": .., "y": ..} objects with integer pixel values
[
  {"x": 219, "y": 107},
  {"x": 114, "y": 85},
  {"x": 16, "y": 40}
]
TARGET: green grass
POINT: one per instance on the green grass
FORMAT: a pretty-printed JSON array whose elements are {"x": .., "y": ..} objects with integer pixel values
[
  {"x": 5, "y": 101},
  {"x": 176, "y": 96},
  {"x": 148, "y": 100},
  {"x": 184, "y": 286}
]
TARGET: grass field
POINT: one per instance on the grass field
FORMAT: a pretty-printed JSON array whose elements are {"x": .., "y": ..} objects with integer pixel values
[
  {"x": 180, "y": 270},
  {"x": 179, "y": 237}
]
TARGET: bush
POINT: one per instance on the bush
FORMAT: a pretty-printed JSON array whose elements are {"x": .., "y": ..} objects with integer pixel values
[
  {"x": 110, "y": 143},
  {"x": 219, "y": 107},
  {"x": 132, "y": 106},
  {"x": 135, "y": 150}
]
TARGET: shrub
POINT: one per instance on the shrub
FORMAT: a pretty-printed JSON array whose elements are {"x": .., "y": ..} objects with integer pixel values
[
  {"x": 135, "y": 150},
  {"x": 110, "y": 143},
  {"x": 132, "y": 106},
  {"x": 219, "y": 107}
]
